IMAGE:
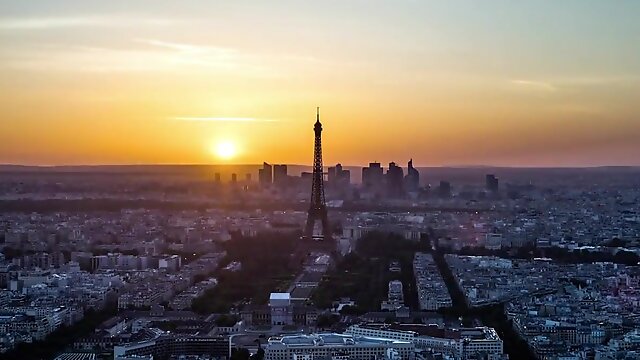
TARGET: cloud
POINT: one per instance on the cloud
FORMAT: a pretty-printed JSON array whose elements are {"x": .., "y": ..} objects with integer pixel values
[
  {"x": 46, "y": 23},
  {"x": 89, "y": 59},
  {"x": 558, "y": 83},
  {"x": 197, "y": 54},
  {"x": 598, "y": 80},
  {"x": 184, "y": 47},
  {"x": 221, "y": 119},
  {"x": 148, "y": 55},
  {"x": 535, "y": 85}
]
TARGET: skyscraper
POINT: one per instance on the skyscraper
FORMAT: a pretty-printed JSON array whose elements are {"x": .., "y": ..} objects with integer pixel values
[
  {"x": 412, "y": 179},
  {"x": 344, "y": 177},
  {"x": 280, "y": 176},
  {"x": 491, "y": 183},
  {"x": 444, "y": 189},
  {"x": 337, "y": 177},
  {"x": 373, "y": 176},
  {"x": 331, "y": 175},
  {"x": 265, "y": 175},
  {"x": 395, "y": 177}
]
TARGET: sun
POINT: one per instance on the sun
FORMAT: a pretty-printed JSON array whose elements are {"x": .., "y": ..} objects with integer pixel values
[{"x": 225, "y": 150}]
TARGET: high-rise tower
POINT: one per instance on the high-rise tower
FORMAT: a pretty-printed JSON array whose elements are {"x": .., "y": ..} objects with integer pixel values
[
  {"x": 317, "y": 207},
  {"x": 412, "y": 179}
]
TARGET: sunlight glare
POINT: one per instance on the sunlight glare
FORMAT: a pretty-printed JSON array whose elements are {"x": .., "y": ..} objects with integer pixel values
[{"x": 225, "y": 150}]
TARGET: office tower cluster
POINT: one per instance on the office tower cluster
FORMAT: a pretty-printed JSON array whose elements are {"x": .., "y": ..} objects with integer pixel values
[
  {"x": 378, "y": 183},
  {"x": 445, "y": 190},
  {"x": 394, "y": 183},
  {"x": 276, "y": 175},
  {"x": 233, "y": 179},
  {"x": 337, "y": 177}
]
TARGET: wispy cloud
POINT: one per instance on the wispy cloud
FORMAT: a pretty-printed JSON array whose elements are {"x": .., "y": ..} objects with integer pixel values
[
  {"x": 185, "y": 47},
  {"x": 46, "y": 23},
  {"x": 221, "y": 119},
  {"x": 535, "y": 85},
  {"x": 90, "y": 59},
  {"x": 560, "y": 83},
  {"x": 148, "y": 55},
  {"x": 597, "y": 80},
  {"x": 194, "y": 54}
]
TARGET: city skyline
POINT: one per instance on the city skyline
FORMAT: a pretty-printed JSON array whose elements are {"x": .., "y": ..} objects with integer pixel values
[
  {"x": 335, "y": 180},
  {"x": 528, "y": 84}
]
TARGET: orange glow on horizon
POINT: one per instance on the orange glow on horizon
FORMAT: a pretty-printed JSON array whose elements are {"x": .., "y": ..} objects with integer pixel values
[{"x": 432, "y": 81}]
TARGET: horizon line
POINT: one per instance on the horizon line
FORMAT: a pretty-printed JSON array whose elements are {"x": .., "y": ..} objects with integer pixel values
[{"x": 459, "y": 166}]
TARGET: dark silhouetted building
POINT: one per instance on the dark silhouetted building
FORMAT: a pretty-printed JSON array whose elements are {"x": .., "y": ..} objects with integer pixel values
[
  {"x": 412, "y": 180},
  {"x": 306, "y": 177},
  {"x": 491, "y": 183},
  {"x": 331, "y": 175},
  {"x": 345, "y": 177},
  {"x": 234, "y": 178},
  {"x": 280, "y": 176},
  {"x": 265, "y": 175},
  {"x": 373, "y": 176},
  {"x": 216, "y": 178},
  {"x": 338, "y": 177},
  {"x": 395, "y": 178},
  {"x": 444, "y": 189}
]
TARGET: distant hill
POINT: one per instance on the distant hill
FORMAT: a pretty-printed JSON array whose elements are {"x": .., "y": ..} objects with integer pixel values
[{"x": 429, "y": 175}]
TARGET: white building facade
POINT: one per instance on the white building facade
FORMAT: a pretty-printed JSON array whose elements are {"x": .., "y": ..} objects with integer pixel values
[
  {"x": 460, "y": 343},
  {"x": 337, "y": 346}
]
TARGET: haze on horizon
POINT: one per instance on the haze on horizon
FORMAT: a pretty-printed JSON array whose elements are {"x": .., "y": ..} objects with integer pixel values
[{"x": 504, "y": 83}]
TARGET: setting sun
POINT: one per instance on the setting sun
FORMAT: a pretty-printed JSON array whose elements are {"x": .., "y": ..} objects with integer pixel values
[{"x": 225, "y": 150}]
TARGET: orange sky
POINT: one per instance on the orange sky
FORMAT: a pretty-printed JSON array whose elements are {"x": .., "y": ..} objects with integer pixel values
[{"x": 516, "y": 84}]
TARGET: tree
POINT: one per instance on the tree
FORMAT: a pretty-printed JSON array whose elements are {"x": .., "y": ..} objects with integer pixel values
[
  {"x": 226, "y": 320},
  {"x": 615, "y": 242},
  {"x": 351, "y": 310},
  {"x": 61, "y": 338},
  {"x": 259, "y": 355},
  {"x": 240, "y": 354},
  {"x": 326, "y": 320}
]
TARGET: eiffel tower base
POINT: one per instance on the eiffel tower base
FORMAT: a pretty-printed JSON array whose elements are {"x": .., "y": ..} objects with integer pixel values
[{"x": 314, "y": 216}]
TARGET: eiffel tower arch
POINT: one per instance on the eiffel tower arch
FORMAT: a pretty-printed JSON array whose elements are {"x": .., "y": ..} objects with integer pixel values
[{"x": 317, "y": 207}]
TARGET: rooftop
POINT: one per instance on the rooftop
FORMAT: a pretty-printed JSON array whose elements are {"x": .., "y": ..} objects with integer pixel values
[
  {"x": 477, "y": 333},
  {"x": 330, "y": 339},
  {"x": 280, "y": 296}
]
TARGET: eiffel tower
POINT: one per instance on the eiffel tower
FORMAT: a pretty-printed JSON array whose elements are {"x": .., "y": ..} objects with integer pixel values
[{"x": 317, "y": 207}]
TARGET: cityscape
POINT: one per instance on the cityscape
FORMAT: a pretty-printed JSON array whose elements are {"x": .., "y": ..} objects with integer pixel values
[{"x": 314, "y": 240}]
